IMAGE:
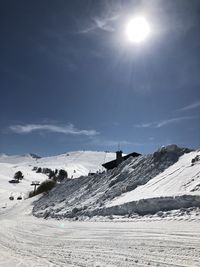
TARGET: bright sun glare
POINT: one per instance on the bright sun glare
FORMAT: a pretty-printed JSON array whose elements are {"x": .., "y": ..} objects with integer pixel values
[{"x": 137, "y": 29}]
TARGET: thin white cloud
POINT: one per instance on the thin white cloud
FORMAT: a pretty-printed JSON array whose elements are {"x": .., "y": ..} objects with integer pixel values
[
  {"x": 100, "y": 23},
  {"x": 66, "y": 129},
  {"x": 191, "y": 106},
  {"x": 159, "y": 124},
  {"x": 103, "y": 24},
  {"x": 145, "y": 125},
  {"x": 173, "y": 120}
]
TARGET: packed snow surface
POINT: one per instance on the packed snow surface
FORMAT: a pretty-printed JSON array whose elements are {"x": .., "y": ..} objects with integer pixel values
[{"x": 28, "y": 241}]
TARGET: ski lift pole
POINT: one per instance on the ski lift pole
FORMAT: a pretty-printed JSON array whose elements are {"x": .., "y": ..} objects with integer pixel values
[{"x": 35, "y": 184}]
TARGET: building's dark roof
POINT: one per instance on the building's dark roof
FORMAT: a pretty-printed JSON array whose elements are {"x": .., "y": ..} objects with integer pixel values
[
  {"x": 134, "y": 155},
  {"x": 112, "y": 164}
]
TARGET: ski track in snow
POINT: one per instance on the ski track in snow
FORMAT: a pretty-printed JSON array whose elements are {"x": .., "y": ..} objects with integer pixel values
[{"x": 29, "y": 241}]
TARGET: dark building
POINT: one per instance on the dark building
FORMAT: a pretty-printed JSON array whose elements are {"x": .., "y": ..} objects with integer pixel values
[{"x": 119, "y": 159}]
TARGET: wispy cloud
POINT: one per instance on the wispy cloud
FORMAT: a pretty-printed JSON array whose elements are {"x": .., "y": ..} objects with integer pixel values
[
  {"x": 191, "y": 106},
  {"x": 103, "y": 24},
  {"x": 68, "y": 129},
  {"x": 173, "y": 120},
  {"x": 162, "y": 123},
  {"x": 145, "y": 125}
]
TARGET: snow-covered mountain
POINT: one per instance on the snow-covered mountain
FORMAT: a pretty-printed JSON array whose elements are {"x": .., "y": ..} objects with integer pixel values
[
  {"x": 167, "y": 179},
  {"x": 75, "y": 163},
  {"x": 82, "y": 162}
]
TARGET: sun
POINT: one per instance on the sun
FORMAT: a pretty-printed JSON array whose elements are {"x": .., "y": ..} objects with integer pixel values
[{"x": 137, "y": 30}]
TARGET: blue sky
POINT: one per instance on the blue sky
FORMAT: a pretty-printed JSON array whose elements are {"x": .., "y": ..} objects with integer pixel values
[{"x": 70, "y": 80}]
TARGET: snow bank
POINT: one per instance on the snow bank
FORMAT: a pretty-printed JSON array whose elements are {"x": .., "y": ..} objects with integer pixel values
[{"x": 149, "y": 206}]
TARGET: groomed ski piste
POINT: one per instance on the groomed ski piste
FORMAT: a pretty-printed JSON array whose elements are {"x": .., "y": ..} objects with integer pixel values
[
  {"x": 163, "y": 238},
  {"x": 29, "y": 241}
]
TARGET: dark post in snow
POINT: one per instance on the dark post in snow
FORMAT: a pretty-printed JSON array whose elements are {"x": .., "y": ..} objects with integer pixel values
[{"x": 35, "y": 184}]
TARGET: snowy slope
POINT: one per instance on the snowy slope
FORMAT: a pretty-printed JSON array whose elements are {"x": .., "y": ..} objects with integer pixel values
[
  {"x": 166, "y": 172},
  {"x": 180, "y": 178},
  {"x": 82, "y": 162},
  {"x": 75, "y": 163},
  {"x": 7, "y": 171},
  {"x": 15, "y": 159}
]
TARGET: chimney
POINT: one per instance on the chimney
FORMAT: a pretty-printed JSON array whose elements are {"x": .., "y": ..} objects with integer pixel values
[{"x": 119, "y": 157}]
